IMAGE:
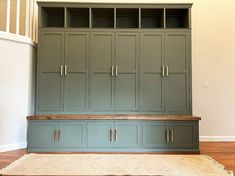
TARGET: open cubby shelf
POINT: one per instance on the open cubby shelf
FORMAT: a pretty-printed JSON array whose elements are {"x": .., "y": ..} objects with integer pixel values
[
  {"x": 102, "y": 17},
  {"x": 152, "y": 18},
  {"x": 52, "y": 17},
  {"x": 127, "y": 18},
  {"x": 79, "y": 17},
  {"x": 177, "y": 18}
]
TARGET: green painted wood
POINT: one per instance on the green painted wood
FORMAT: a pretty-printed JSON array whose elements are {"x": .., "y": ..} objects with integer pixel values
[
  {"x": 98, "y": 134},
  {"x": 50, "y": 82},
  {"x": 76, "y": 80},
  {"x": 154, "y": 135},
  {"x": 185, "y": 135},
  {"x": 126, "y": 81},
  {"x": 102, "y": 85},
  {"x": 72, "y": 134},
  {"x": 41, "y": 135},
  {"x": 177, "y": 83},
  {"x": 151, "y": 81},
  {"x": 128, "y": 134}
]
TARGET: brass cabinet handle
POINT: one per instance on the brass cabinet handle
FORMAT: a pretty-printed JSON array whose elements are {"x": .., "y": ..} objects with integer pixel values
[
  {"x": 115, "y": 133},
  {"x": 55, "y": 132},
  {"x": 65, "y": 70},
  {"x": 116, "y": 71},
  {"x": 172, "y": 135},
  {"x": 111, "y": 135},
  {"x": 59, "y": 135},
  {"x": 163, "y": 71},
  {"x": 112, "y": 70},
  {"x": 61, "y": 70},
  {"x": 167, "y": 71},
  {"x": 167, "y": 136}
]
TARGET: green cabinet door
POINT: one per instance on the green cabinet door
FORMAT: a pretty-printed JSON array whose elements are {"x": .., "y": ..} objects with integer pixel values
[
  {"x": 151, "y": 81},
  {"x": 102, "y": 86},
  {"x": 177, "y": 87},
  {"x": 76, "y": 71},
  {"x": 72, "y": 134},
  {"x": 127, "y": 134},
  {"x": 50, "y": 80},
  {"x": 42, "y": 135},
  {"x": 126, "y": 79},
  {"x": 155, "y": 135},
  {"x": 184, "y": 135},
  {"x": 99, "y": 134}
]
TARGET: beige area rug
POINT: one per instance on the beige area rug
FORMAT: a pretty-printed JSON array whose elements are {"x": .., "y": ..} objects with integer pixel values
[{"x": 115, "y": 164}]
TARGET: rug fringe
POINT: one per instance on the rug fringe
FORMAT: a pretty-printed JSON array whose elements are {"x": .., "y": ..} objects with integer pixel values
[{"x": 230, "y": 173}]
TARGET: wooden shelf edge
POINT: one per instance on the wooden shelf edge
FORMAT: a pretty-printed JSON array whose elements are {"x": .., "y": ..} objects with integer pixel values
[{"x": 113, "y": 117}]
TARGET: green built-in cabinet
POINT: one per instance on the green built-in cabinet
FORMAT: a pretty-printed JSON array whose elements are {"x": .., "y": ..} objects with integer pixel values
[
  {"x": 114, "y": 58},
  {"x": 112, "y": 135}
]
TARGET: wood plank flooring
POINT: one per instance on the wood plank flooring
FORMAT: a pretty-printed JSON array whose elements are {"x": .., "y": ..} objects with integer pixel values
[{"x": 223, "y": 152}]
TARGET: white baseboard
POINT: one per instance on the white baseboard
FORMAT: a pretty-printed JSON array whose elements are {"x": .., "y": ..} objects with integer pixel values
[
  {"x": 16, "y": 146},
  {"x": 217, "y": 138}
]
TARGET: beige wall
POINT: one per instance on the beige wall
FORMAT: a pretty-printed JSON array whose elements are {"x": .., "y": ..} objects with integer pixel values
[{"x": 213, "y": 55}]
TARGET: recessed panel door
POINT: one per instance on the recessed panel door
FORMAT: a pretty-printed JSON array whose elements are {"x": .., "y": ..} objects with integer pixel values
[
  {"x": 155, "y": 135},
  {"x": 126, "y": 71},
  {"x": 102, "y": 89},
  {"x": 42, "y": 135},
  {"x": 151, "y": 80},
  {"x": 50, "y": 76},
  {"x": 76, "y": 71},
  {"x": 127, "y": 134},
  {"x": 72, "y": 134},
  {"x": 177, "y": 98},
  {"x": 99, "y": 134}
]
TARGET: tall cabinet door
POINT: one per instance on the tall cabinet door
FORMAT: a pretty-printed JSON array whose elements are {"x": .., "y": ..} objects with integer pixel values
[
  {"x": 102, "y": 86},
  {"x": 76, "y": 71},
  {"x": 151, "y": 81},
  {"x": 50, "y": 78},
  {"x": 177, "y": 82},
  {"x": 126, "y": 76}
]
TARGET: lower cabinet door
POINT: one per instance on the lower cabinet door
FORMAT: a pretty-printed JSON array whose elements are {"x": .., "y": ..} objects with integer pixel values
[
  {"x": 42, "y": 135},
  {"x": 155, "y": 135},
  {"x": 184, "y": 135},
  {"x": 127, "y": 134},
  {"x": 71, "y": 134},
  {"x": 99, "y": 134}
]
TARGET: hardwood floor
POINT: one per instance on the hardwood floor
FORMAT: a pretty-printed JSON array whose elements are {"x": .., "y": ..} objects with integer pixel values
[{"x": 223, "y": 152}]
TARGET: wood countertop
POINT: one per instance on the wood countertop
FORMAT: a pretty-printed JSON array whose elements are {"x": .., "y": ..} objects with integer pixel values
[{"x": 112, "y": 117}]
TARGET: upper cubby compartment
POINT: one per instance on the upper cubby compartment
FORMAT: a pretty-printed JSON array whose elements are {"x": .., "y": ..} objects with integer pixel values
[
  {"x": 52, "y": 17},
  {"x": 102, "y": 17},
  {"x": 127, "y": 18},
  {"x": 78, "y": 17},
  {"x": 177, "y": 18},
  {"x": 152, "y": 18}
]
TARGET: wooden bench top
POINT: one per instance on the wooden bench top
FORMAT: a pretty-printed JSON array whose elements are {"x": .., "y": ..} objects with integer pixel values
[{"x": 112, "y": 117}]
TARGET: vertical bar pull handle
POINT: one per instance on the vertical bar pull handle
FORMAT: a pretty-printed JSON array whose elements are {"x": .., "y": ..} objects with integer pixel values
[
  {"x": 111, "y": 135},
  {"x": 163, "y": 71},
  {"x": 65, "y": 70},
  {"x": 115, "y": 133},
  {"x": 112, "y": 70},
  {"x": 59, "y": 135},
  {"x": 116, "y": 73},
  {"x": 54, "y": 136},
  {"x": 61, "y": 70},
  {"x": 167, "y": 136},
  {"x": 167, "y": 71},
  {"x": 172, "y": 135}
]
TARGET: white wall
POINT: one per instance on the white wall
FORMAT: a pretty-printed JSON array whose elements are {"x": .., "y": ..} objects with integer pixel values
[{"x": 16, "y": 90}]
